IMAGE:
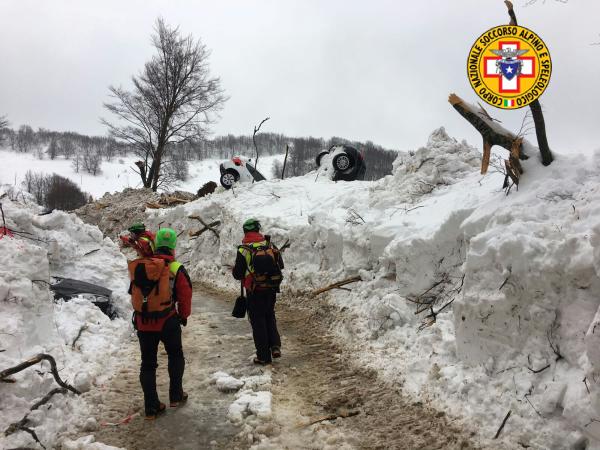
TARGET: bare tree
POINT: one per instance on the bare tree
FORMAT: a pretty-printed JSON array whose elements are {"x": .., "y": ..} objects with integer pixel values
[
  {"x": 25, "y": 139},
  {"x": 76, "y": 164},
  {"x": 52, "y": 149},
  {"x": 173, "y": 100},
  {"x": 3, "y": 122},
  {"x": 91, "y": 160},
  {"x": 67, "y": 147}
]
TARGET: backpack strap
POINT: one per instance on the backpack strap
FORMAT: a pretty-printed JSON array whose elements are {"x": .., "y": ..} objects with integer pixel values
[{"x": 174, "y": 267}]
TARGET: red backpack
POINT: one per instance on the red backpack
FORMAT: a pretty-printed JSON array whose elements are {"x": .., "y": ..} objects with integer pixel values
[{"x": 151, "y": 286}]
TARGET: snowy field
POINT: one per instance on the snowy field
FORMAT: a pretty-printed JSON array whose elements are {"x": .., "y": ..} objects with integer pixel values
[
  {"x": 115, "y": 175},
  {"x": 521, "y": 272}
]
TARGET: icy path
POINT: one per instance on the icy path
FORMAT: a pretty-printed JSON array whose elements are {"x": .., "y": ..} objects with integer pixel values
[
  {"x": 212, "y": 341},
  {"x": 314, "y": 379}
]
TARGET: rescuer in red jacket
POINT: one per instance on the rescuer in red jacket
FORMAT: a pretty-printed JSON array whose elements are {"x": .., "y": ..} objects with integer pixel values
[{"x": 167, "y": 329}]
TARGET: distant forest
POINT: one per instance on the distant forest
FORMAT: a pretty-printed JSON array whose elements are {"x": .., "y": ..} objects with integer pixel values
[{"x": 88, "y": 152}]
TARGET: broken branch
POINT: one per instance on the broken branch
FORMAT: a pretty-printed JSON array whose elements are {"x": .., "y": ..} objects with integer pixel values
[
  {"x": 502, "y": 425},
  {"x": 337, "y": 285},
  {"x": 209, "y": 226},
  {"x": 36, "y": 359}
]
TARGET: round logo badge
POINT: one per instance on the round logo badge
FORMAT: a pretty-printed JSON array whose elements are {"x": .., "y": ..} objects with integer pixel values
[{"x": 509, "y": 66}]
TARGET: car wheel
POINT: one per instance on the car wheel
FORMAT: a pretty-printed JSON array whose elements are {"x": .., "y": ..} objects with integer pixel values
[
  {"x": 229, "y": 178},
  {"x": 320, "y": 156},
  {"x": 342, "y": 162}
]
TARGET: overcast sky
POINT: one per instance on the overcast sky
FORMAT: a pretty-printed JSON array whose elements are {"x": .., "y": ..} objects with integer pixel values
[{"x": 378, "y": 70}]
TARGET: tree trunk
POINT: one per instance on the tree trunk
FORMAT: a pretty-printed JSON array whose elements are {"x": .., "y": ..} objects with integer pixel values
[
  {"x": 536, "y": 108},
  {"x": 540, "y": 132}
]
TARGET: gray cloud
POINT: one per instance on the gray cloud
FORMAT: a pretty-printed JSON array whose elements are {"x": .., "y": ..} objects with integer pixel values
[{"x": 378, "y": 70}]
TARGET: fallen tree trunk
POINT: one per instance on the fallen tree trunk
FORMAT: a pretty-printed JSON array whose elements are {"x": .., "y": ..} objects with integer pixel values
[
  {"x": 337, "y": 285},
  {"x": 37, "y": 359},
  {"x": 484, "y": 124}
]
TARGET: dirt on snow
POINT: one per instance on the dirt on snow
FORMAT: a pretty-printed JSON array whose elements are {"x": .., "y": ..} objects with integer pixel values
[{"x": 314, "y": 380}]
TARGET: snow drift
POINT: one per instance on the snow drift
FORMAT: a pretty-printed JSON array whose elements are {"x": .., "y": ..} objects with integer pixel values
[
  {"x": 519, "y": 275},
  {"x": 58, "y": 244}
]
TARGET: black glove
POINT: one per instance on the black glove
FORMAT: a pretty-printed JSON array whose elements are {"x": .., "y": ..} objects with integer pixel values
[{"x": 183, "y": 321}]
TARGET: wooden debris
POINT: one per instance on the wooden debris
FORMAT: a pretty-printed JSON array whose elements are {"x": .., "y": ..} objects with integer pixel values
[
  {"x": 207, "y": 226},
  {"x": 337, "y": 285},
  {"x": 210, "y": 226},
  {"x": 37, "y": 359}
]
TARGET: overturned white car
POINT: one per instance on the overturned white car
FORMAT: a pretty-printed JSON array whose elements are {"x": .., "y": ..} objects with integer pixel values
[{"x": 238, "y": 169}]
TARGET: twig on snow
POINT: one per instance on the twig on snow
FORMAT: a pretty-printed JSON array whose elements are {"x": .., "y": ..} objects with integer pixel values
[
  {"x": 21, "y": 425},
  {"x": 81, "y": 330},
  {"x": 502, "y": 425},
  {"x": 342, "y": 415}
]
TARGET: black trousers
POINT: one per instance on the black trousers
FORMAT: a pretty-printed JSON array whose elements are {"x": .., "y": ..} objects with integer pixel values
[
  {"x": 171, "y": 338},
  {"x": 261, "y": 310}
]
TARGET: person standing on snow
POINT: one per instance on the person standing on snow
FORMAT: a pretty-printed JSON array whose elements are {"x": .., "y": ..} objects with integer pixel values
[
  {"x": 258, "y": 266},
  {"x": 161, "y": 293},
  {"x": 141, "y": 240}
]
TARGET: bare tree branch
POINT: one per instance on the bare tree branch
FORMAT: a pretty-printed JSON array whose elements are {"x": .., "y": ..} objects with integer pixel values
[{"x": 256, "y": 130}]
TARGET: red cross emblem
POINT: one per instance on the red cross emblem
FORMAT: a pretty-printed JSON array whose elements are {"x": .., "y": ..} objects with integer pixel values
[{"x": 509, "y": 86}]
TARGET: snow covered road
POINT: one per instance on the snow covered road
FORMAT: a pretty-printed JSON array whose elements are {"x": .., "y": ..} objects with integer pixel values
[{"x": 314, "y": 379}]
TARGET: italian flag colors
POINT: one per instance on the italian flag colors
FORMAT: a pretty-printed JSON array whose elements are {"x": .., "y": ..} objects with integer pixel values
[{"x": 509, "y": 102}]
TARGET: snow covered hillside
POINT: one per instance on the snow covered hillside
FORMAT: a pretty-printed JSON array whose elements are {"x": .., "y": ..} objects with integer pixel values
[
  {"x": 115, "y": 175},
  {"x": 56, "y": 244},
  {"x": 517, "y": 275}
]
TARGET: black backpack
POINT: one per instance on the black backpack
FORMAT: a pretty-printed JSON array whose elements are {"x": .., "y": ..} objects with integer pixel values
[{"x": 264, "y": 266}]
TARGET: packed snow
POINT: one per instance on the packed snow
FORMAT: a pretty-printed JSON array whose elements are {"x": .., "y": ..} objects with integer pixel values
[
  {"x": 76, "y": 333},
  {"x": 517, "y": 274}
]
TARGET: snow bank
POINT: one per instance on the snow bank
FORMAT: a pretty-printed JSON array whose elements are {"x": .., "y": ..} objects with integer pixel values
[
  {"x": 32, "y": 322},
  {"x": 521, "y": 272}
]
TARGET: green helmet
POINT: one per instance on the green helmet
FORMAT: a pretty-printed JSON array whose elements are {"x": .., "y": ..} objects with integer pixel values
[
  {"x": 251, "y": 225},
  {"x": 137, "y": 227},
  {"x": 166, "y": 237}
]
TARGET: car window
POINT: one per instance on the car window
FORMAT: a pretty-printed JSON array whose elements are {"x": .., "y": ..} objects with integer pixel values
[{"x": 255, "y": 173}]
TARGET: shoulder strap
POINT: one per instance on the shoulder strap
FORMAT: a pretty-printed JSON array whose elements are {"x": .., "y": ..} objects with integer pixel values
[{"x": 174, "y": 267}]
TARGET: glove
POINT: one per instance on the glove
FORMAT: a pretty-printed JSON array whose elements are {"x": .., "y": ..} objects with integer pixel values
[{"x": 183, "y": 321}]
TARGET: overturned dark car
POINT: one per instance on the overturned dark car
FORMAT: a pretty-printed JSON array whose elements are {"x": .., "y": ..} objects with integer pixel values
[
  {"x": 67, "y": 288},
  {"x": 347, "y": 163}
]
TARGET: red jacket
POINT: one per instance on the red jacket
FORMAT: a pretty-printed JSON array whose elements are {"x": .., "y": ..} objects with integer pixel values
[{"x": 182, "y": 295}]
